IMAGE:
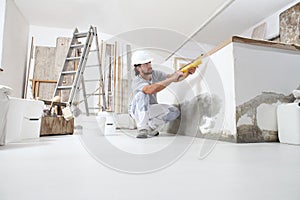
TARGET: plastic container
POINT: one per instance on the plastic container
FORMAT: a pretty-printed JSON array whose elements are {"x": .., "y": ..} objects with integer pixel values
[
  {"x": 288, "y": 117},
  {"x": 106, "y": 122},
  {"x": 23, "y": 119}
]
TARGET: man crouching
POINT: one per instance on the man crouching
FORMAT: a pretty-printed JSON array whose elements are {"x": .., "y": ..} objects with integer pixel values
[{"x": 149, "y": 115}]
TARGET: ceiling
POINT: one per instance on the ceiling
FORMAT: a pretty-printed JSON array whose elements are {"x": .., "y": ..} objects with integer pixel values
[{"x": 182, "y": 16}]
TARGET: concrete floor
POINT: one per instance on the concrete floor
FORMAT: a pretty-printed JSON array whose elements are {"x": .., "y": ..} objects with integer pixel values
[{"x": 69, "y": 167}]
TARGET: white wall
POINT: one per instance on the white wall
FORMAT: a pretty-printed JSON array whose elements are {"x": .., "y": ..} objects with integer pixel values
[
  {"x": 264, "y": 69},
  {"x": 46, "y": 36},
  {"x": 223, "y": 82},
  {"x": 14, "y": 49},
  {"x": 2, "y": 19},
  {"x": 186, "y": 90},
  {"x": 272, "y": 23}
]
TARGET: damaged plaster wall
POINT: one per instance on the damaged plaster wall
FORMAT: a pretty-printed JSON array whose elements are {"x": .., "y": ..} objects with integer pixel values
[
  {"x": 264, "y": 78},
  {"x": 243, "y": 83},
  {"x": 206, "y": 100},
  {"x": 260, "y": 112}
]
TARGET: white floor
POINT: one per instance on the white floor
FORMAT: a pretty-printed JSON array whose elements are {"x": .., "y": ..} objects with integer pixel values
[{"x": 68, "y": 167}]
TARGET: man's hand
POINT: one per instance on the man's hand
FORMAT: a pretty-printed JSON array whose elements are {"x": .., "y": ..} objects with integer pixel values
[
  {"x": 191, "y": 70},
  {"x": 176, "y": 76},
  {"x": 184, "y": 75}
]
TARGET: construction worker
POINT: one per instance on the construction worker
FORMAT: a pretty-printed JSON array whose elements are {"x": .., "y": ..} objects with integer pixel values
[{"x": 144, "y": 108}]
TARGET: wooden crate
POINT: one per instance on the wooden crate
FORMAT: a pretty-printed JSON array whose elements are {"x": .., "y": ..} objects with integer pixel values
[{"x": 56, "y": 126}]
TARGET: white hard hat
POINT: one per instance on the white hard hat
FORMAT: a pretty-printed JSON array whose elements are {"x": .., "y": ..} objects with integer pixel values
[{"x": 140, "y": 57}]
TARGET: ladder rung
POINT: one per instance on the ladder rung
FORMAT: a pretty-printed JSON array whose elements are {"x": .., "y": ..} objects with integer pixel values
[
  {"x": 87, "y": 66},
  {"x": 82, "y": 49},
  {"x": 67, "y": 87},
  {"x": 81, "y": 35},
  {"x": 91, "y": 114},
  {"x": 77, "y": 45},
  {"x": 72, "y": 58},
  {"x": 68, "y": 72},
  {"x": 91, "y": 80},
  {"x": 96, "y": 94}
]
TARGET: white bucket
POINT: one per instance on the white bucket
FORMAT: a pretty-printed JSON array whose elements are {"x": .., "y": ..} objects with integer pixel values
[
  {"x": 106, "y": 122},
  {"x": 288, "y": 117}
]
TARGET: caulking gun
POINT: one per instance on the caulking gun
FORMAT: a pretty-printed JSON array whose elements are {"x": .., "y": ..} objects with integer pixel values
[{"x": 195, "y": 63}]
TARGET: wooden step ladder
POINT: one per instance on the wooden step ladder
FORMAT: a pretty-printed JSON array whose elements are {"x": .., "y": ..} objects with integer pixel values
[{"x": 78, "y": 52}]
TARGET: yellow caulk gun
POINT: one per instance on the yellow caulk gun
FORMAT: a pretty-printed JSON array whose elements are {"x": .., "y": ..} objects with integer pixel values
[{"x": 195, "y": 63}]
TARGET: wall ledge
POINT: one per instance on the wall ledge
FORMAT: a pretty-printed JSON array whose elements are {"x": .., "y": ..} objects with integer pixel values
[{"x": 255, "y": 42}]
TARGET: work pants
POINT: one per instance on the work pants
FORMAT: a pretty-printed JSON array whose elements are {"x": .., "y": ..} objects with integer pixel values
[{"x": 151, "y": 116}]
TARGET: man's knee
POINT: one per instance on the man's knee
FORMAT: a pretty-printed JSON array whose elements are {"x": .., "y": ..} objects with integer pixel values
[
  {"x": 172, "y": 114},
  {"x": 175, "y": 110}
]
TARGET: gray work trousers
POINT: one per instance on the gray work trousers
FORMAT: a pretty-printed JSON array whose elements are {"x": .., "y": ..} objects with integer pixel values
[{"x": 151, "y": 116}]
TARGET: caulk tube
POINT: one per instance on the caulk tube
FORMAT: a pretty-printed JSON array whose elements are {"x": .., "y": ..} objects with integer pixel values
[
  {"x": 193, "y": 64},
  {"x": 186, "y": 68}
]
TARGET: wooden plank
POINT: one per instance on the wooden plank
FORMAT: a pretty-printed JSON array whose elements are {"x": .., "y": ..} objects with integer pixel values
[
  {"x": 115, "y": 77},
  {"x": 109, "y": 80},
  {"x": 48, "y": 64},
  {"x": 62, "y": 47},
  {"x": 100, "y": 97},
  {"x": 36, "y": 86},
  {"x": 44, "y": 70},
  {"x": 44, "y": 81},
  {"x": 129, "y": 77},
  {"x": 124, "y": 96},
  {"x": 119, "y": 84},
  {"x": 101, "y": 52},
  {"x": 44, "y": 63},
  {"x": 37, "y": 90},
  {"x": 33, "y": 88},
  {"x": 218, "y": 47},
  {"x": 54, "y": 103}
]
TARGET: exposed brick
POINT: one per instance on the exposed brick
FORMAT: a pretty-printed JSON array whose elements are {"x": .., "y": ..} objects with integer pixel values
[{"x": 290, "y": 25}]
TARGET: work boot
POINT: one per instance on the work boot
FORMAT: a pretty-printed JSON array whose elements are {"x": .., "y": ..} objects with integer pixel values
[
  {"x": 156, "y": 134},
  {"x": 153, "y": 132},
  {"x": 142, "y": 134}
]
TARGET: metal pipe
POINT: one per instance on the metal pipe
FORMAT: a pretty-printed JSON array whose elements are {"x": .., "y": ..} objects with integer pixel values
[{"x": 212, "y": 17}]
